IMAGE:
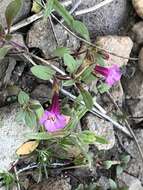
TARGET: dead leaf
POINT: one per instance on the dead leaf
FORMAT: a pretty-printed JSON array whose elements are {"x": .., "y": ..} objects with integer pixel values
[{"x": 27, "y": 148}]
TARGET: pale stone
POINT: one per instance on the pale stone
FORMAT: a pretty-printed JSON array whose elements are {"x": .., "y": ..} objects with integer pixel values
[
  {"x": 131, "y": 182},
  {"x": 120, "y": 45},
  {"x": 101, "y": 128},
  {"x": 12, "y": 135},
  {"x": 138, "y": 5}
]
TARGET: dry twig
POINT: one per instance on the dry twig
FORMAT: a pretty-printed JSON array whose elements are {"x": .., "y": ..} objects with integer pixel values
[
  {"x": 94, "y": 8},
  {"x": 89, "y": 43},
  {"x": 128, "y": 126}
]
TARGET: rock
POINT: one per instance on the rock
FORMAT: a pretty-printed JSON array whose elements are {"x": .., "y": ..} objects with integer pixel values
[
  {"x": 42, "y": 93},
  {"x": 137, "y": 32},
  {"x": 8, "y": 64},
  {"x": 52, "y": 184},
  {"x": 118, "y": 96},
  {"x": 131, "y": 182},
  {"x": 18, "y": 38},
  {"x": 25, "y": 10},
  {"x": 12, "y": 135},
  {"x": 138, "y": 5},
  {"x": 101, "y": 128},
  {"x": 120, "y": 45},
  {"x": 11, "y": 188},
  {"x": 41, "y": 36},
  {"x": 134, "y": 167},
  {"x": 133, "y": 89},
  {"x": 103, "y": 183},
  {"x": 101, "y": 22},
  {"x": 141, "y": 60}
]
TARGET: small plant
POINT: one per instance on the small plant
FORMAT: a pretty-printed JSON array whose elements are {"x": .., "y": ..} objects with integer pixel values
[
  {"x": 7, "y": 179},
  {"x": 55, "y": 127}
]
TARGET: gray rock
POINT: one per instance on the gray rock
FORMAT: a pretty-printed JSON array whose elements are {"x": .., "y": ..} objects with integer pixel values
[
  {"x": 131, "y": 182},
  {"x": 135, "y": 165},
  {"x": 101, "y": 128},
  {"x": 141, "y": 60},
  {"x": 137, "y": 32},
  {"x": 12, "y": 135},
  {"x": 103, "y": 182},
  {"x": 25, "y": 10},
  {"x": 133, "y": 88},
  {"x": 41, "y": 36},
  {"x": 108, "y": 19},
  {"x": 52, "y": 184},
  {"x": 118, "y": 96},
  {"x": 8, "y": 63},
  {"x": 120, "y": 45},
  {"x": 42, "y": 93}
]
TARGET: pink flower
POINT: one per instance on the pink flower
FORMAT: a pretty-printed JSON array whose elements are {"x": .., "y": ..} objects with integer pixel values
[
  {"x": 52, "y": 119},
  {"x": 112, "y": 74}
]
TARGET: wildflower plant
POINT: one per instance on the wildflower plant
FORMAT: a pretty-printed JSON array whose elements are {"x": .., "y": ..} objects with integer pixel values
[{"x": 52, "y": 125}]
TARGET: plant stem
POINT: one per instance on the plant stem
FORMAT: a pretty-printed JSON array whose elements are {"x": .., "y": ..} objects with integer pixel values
[{"x": 89, "y": 43}]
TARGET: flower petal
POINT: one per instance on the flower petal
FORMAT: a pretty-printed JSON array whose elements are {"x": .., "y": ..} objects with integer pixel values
[
  {"x": 50, "y": 126},
  {"x": 44, "y": 117}
]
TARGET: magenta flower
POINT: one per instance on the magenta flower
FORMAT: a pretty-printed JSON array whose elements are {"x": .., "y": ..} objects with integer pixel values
[
  {"x": 112, "y": 74},
  {"x": 52, "y": 119}
]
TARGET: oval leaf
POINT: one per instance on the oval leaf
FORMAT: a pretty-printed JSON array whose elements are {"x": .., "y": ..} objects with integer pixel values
[
  {"x": 87, "y": 98},
  {"x": 49, "y": 8},
  {"x": 113, "y": 184},
  {"x": 23, "y": 98},
  {"x": 60, "y": 51},
  {"x": 27, "y": 148},
  {"x": 43, "y": 72},
  {"x": 63, "y": 12},
  {"x": 81, "y": 29},
  {"x": 30, "y": 119},
  {"x": 70, "y": 62},
  {"x": 3, "y": 51},
  {"x": 11, "y": 11}
]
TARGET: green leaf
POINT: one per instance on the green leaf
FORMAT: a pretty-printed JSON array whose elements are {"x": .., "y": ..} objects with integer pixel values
[
  {"x": 119, "y": 170},
  {"x": 103, "y": 87},
  {"x": 108, "y": 164},
  {"x": 23, "y": 98},
  {"x": 68, "y": 83},
  {"x": 20, "y": 116},
  {"x": 60, "y": 51},
  {"x": 87, "y": 98},
  {"x": 30, "y": 119},
  {"x": 45, "y": 136},
  {"x": 3, "y": 51},
  {"x": 113, "y": 184},
  {"x": 70, "y": 62},
  {"x": 87, "y": 76},
  {"x": 37, "y": 108},
  {"x": 63, "y": 12},
  {"x": 49, "y": 8},
  {"x": 101, "y": 140},
  {"x": 100, "y": 60},
  {"x": 11, "y": 11},
  {"x": 1, "y": 29},
  {"x": 81, "y": 29},
  {"x": 126, "y": 159},
  {"x": 42, "y": 72},
  {"x": 87, "y": 137}
]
